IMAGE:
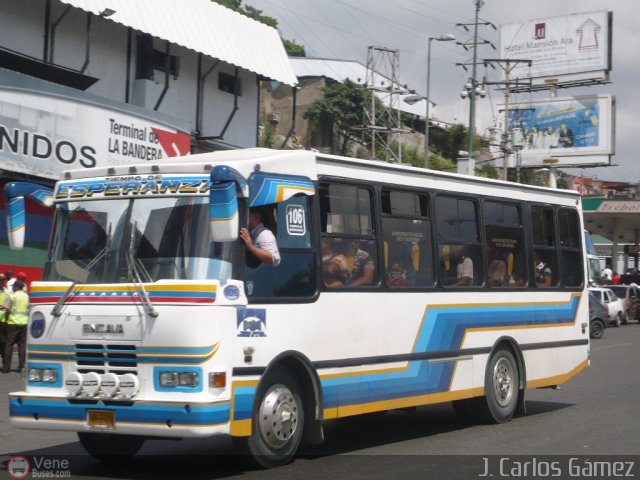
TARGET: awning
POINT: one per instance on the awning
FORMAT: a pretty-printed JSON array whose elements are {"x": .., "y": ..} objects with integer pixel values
[{"x": 205, "y": 27}]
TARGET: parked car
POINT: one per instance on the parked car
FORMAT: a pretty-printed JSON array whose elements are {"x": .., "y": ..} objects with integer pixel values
[
  {"x": 598, "y": 316},
  {"x": 607, "y": 297},
  {"x": 630, "y": 296}
]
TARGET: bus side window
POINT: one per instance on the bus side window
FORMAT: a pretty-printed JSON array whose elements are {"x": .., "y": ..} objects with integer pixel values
[
  {"x": 504, "y": 236},
  {"x": 460, "y": 256},
  {"x": 571, "y": 253},
  {"x": 406, "y": 229},
  {"x": 348, "y": 234},
  {"x": 295, "y": 276},
  {"x": 544, "y": 247}
]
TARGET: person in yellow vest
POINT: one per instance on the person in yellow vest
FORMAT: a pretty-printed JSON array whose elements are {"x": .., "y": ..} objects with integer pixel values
[
  {"x": 16, "y": 328},
  {"x": 3, "y": 313}
]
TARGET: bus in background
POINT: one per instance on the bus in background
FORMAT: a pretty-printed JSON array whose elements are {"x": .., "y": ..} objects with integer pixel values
[
  {"x": 593, "y": 261},
  {"x": 397, "y": 287}
]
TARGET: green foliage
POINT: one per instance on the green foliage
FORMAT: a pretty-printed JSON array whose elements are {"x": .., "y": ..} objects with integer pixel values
[
  {"x": 437, "y": 162},
  {"x": 293, "y": 49},
  {"x": 267, "y": 137},
  {"x": 341, "y": 108},
  {"x": 487, "y": 171}
]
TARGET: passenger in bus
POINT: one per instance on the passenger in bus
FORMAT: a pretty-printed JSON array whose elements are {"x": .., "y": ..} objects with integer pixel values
[
  {"x": 397, "y": 275},
  {"x": 334, "y": 264},
  {"x": 464, "y": 270},
  {"x": 543, "y": 272},
  {"x": 361, "y": 266},
  {"x": 497, "y": 275},
  {"x": 260, "y": 241}
]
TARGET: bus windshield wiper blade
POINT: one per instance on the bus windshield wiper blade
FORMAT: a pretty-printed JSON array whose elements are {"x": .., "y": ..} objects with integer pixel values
[
  {"x": 57, "y": 308},
  {"x": 134, "y": 274}
]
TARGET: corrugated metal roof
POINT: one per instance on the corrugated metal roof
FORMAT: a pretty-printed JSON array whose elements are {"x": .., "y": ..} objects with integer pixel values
[
  {"x": 206, "y": 27},
  {"x": 342, "y": 70}
]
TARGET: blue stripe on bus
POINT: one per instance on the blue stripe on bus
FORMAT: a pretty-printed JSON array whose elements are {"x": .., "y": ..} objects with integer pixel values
[
  {"x": 196, "y": 415},
  {"x": 442, "y": 329}
]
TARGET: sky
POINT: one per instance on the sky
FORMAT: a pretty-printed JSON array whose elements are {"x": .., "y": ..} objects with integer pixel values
[{"x": 344, "y": 29}]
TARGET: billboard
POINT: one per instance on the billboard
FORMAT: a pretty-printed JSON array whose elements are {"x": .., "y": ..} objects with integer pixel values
[
  {"x": 564, "y": 131},
  {"x": 43, "y": 135},
  {"x": 564, "y": 49}
]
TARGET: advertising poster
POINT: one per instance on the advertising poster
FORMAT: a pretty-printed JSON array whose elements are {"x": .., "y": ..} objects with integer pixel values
[{"x": 43, "y": 135}]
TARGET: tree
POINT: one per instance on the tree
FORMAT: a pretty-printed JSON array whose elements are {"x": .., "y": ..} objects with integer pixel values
[
  {"x": 340, "y": 109},
  {"x": 291, "y": 47}
]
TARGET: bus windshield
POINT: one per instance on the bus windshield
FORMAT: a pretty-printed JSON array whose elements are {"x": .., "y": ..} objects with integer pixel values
[{"x": 167, "y": 238}]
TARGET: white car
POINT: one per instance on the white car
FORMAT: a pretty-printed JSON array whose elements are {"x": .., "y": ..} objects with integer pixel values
[{"x": 616, "y": 307}]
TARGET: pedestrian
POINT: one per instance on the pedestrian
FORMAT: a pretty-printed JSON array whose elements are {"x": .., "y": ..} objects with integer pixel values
[
  {"x": 3, "y": 314},
  {"x": 8, "y": 277},
  {"x": 16, "y": 328}
]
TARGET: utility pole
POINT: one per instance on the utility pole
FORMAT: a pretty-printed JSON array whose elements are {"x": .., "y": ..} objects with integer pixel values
[
  {"x": 383, "y": 70},
  {"x": 507, "y": 65},
  {"x": 473, "y": 87}
]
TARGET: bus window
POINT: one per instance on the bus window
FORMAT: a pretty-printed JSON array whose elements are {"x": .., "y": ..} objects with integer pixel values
[
  {"x": 545, "y": 255},
  {"x": 348, "y": 242},
  {"x": 459, "y": 252},
  {"x": 570, "y": 248},
  {"x": 406, "y": 230},
  {"x": 295, "y": 275},
  {"x": 504, "y": 234}
]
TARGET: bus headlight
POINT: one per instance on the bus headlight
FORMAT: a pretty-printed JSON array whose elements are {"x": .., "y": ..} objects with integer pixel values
[
  {"x": 35, "y": 375},
  {"x": 50, "y": 375},
  {"x": 169, "y": 378},
  {"x": 188, "y": 379},
  {"x": 46, "y": 375}
]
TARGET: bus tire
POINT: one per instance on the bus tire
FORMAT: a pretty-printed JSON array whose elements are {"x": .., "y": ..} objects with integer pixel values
[
  {"x": 106, "y": 446},
  {"x": 501, "y": 388},
  {"x": 278, "y": 420}
]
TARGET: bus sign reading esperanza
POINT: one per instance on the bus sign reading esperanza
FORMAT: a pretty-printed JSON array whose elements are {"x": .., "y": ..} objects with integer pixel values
[
  {"x": 152, "y": 323},
  {"x": 133, "y": 185}
]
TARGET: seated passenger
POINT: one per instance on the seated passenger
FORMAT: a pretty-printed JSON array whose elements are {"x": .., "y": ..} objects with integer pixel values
[
  {"x": 543, "y": 272},
  {"x": 497, "y": 274},
  {"x": 334, "y": 264},
  {"x": 363, "y": 267},
  {"x": 464, "y": 271},
  {"x": 397, "y": 275}
]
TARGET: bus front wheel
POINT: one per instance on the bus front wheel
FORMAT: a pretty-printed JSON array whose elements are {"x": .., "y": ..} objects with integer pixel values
[
  {"x": 105, "y": 446},
  {"x": 278, "y": 420}
]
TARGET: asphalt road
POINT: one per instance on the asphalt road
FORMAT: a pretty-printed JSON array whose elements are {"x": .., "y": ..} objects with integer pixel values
[{"x": 593, "y": 416}]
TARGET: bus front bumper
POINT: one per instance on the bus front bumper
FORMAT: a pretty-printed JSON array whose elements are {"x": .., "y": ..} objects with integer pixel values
[{"x": 148, "y": 418}]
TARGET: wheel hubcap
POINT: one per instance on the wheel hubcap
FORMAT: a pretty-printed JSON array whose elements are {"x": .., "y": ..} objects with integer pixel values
[
  {"x": 503, "y": 382},
  {"x": 278, "y": 416}
]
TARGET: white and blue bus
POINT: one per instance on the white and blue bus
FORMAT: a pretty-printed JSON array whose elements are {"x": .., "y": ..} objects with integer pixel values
[{"x": 397, "y": 287}]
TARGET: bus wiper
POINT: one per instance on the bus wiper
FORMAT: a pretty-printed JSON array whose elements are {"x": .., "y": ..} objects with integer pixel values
[
  {"x": 57, "y": 308},
  {"x": 134, "y": 274}
]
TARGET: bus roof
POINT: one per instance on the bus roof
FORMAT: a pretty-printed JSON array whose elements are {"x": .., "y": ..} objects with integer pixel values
[{"x": 312, "y": 164}]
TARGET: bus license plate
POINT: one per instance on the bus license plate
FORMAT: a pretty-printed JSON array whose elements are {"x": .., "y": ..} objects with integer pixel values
[{"x": 101, "y": 419}]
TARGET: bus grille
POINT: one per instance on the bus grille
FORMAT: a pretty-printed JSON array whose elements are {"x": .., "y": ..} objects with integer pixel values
[{"x": 95, "y": 357}]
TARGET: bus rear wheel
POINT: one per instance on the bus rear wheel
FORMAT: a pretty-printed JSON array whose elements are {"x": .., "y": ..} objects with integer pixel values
[
  {"x": 278, "y": 421},
  {"x": 105, "y": 446},
  {"x": 501, "y": 387}
]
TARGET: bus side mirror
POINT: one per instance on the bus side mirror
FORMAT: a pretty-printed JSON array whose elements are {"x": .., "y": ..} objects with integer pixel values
[
  {"x": 14, "y": 193},
  {"x": 223, "y": 212},
  {"x": 16, "y": 222}
]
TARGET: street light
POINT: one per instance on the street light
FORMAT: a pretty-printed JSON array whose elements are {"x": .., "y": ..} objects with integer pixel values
[{"x": 447, "y": 37}]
